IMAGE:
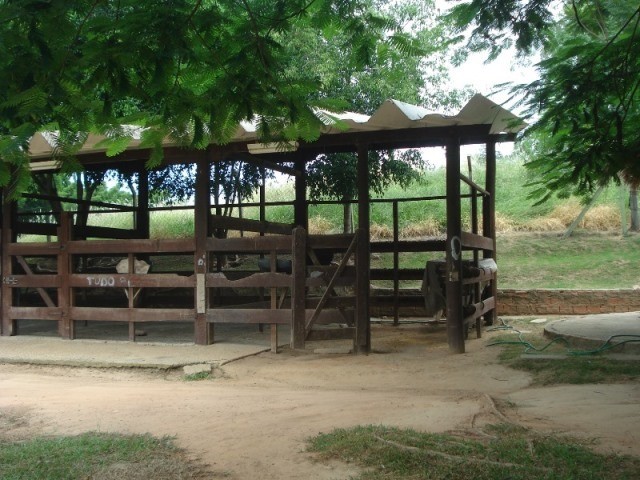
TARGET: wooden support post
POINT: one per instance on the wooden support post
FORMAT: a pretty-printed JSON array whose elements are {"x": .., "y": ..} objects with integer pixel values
[
  {"x": 301, "y": 216},
  {"x": 362, "y": 342},
  {"x": 455, "y": 315},
  {"x": 203, "y": 329},
  {"x": 396, "y": 264},
  {"x": 142, "y": 213},
  {"x": 66, "y": 325},
  {"x": 476, "y": 254},
  {"x": 9, "y": 326},
  {"x": 131, "y": 268},
  {"x": 263, "y": 219},
  {"x": 489, "y": 221},
  {"x": 273, "y": 328},
  {"x": 298, "y": 292}
]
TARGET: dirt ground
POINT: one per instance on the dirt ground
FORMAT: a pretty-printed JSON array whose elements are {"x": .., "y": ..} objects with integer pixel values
[{"x": 252, "y": 419}]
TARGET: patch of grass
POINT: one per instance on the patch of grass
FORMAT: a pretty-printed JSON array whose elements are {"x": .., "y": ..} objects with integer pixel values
[
  {"x": 96, "y": 455},
  {"x": 571, "y": 369},
  {"x": 506, "y": 452},
  {"x": 196, "y": 377},
  {"x": 172, "y": 224},
  {"x": 586, "y": 260},
  {"x": 579, "y": 370}
]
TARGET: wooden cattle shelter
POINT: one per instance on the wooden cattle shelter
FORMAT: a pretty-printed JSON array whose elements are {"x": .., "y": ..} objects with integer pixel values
[{"x": 302, "y": 292}]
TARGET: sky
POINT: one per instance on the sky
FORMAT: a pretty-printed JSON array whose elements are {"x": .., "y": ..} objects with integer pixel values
[{"x": 483, "y": 78}]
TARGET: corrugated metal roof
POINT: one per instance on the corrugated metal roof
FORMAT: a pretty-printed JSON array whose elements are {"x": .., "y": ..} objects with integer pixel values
[{"x": 392, "y": 114}]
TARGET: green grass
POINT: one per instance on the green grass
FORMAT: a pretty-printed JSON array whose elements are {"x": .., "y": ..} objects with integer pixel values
[
  {"x": 577, "y": 365},
  {"x": 107, "y": 456},
  {"x": 506, "y": 452},
  {"x": 197, "y": 377},
  {"x": 585, "y": 260},
  {"x": 545, "y": 260},
  {"x": 512, "y": 200}
]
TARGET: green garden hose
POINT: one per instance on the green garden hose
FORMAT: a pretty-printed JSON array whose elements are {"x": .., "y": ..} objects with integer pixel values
[{"x": 530, "y": 348}]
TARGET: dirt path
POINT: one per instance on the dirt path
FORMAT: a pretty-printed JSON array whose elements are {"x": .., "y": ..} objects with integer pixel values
[{"x": 252, "y": 421}]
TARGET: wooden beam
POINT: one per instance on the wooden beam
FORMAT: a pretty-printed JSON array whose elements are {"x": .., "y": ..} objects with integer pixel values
[
  {"x": 9, "y": 325},
  {"x": 427, "y": 136},
  {"x": 301, "y": 213},
  {"x": 66, "y": 324},
  {"x": 41, "y": 291},
  {"x": 91, "y": 231},
  {"x": 248, "y": 315},
  {"x": 264, "y": 163},
  {"x": 75, "y": 201},
  {"x": 249, "y": 225},
  {"x": 396, "y": 263},
  {"x": 34, "y": 313},
  {"x": 399, "y": 138},
  {"x": 32, "y": 249},
  {"x": 332, "y": 283},
  {"x": 257, "y": 280},
  {"x": 143, "y": 221},
  {"x": 455, "y": 325},
  {"x": 489, "y": 220},
  {"x": 32, "y": 281},
  {"x": 386, "y": 246},
  {"x": 362, "y": 342},
  {"x": 132, "y": 314},
  {"x": 279, "y": 243},
  {"x": 203, "y": 329},
  {"x": 331, "y": 241},
  {"x": 27, "y": 228},
  {"x": 131, "y": 280},
  {"x": 120, "y": 247},
  {"x": 480, "y": 309},
  {"x": 402, "y": 274},
  {"x": 298, "y": 292},
  {"x": 473, "y": 241}
]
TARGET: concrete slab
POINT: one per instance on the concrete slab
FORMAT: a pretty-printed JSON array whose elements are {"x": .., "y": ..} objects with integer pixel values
[
  {"x": 165, "y": 347},
  {"x": 593, "y": 331}
]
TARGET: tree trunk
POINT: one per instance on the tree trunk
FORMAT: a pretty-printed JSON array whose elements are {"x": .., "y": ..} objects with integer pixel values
[
  {"x": 633, "y": 206},
  {"x": 347, "y": 215},
  {"x": 584, "y": 211},
  {"x": 85, "y": 188},
  {"x": 134, "y": 198}
]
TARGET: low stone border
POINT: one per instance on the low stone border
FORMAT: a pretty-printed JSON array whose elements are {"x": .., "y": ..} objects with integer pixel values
[
  {"x": 538, "y": 302},
  {"x": 567, "y": 302}
]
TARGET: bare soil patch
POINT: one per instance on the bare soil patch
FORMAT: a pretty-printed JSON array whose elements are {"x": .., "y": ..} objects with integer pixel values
[{"x": 252, "y": 418}]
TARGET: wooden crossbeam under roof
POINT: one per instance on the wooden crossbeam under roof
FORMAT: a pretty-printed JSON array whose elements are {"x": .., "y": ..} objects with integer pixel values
[{"x": 393, "y": 125}]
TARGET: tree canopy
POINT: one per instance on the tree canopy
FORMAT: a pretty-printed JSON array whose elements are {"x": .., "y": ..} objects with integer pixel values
[
  {"x": 417, "y": 79},
  {"x": 187, "y": 69},
  {"x": 585, "y": 108}
]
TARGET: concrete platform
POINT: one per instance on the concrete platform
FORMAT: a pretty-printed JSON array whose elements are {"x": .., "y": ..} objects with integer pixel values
[
  {"x": 593, "y": 331},
  {"x": 101, "y": 345}
]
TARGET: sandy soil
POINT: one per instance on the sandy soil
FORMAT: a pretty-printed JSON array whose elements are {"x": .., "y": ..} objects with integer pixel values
[{"x": 251, "y": 421}]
